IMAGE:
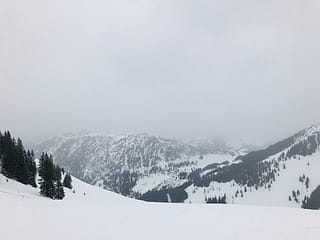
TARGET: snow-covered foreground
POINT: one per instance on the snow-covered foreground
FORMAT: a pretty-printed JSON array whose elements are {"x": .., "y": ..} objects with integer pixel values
[{"x": 102, "y": 215}]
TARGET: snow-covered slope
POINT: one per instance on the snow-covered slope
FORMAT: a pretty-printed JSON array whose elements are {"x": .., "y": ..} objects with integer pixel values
[
  {"x": 276, "y": 195},
  {"x": 102, "y": 215},
  {"x": 282, "y": 175},
  {"x": 132, "y": 164},
  {"x": 81, "y": 191}
]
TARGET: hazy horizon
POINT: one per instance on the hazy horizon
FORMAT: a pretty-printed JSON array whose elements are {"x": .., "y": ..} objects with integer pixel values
[
  {"x": 33, "y": 141},
  {"x": 244, "y": 71}
]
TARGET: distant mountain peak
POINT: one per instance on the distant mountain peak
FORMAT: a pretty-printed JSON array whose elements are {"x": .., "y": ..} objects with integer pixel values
[{"x": 120, "y": 160}]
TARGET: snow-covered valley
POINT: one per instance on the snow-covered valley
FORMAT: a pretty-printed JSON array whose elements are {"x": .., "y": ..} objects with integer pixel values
[
  {"x": 132, "y": 164},
  {"x": 160, "y": 170},
  {"x": 103, "y": 215}
]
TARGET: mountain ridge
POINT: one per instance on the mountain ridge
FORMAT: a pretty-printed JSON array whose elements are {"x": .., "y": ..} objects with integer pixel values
[
  {"x": 117, "y": 162},
  {"x": 279, "y": 171},
  {"x": 158, "y": 169}
]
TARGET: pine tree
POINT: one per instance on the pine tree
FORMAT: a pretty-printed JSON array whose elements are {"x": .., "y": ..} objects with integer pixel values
[
  {"x": 50, "y": 178},
  {"x": 21, "y": 171},
  {"x": 32, "y": 169},
  {"x": 57, "y": 173},
  {"x": 46, "y": 173},
  {"x": 67, "y": 182},
  {"x": 16, "y": 163},
  {"x": 59, "y": 191},
  {"x": 224, "y": 199},
  {"x": 8, "y": 158},
  {"x": 307, "y": 182}
]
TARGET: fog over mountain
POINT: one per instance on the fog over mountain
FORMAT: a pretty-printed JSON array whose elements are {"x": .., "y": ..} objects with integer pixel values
[{"x": 243, "y": 70}]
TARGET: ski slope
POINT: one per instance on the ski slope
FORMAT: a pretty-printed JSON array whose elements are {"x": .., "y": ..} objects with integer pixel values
[{"x": 102, "y": 215}]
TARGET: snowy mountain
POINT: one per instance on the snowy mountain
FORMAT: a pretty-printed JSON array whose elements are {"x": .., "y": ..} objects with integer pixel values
[
  {"x": 133, "y": 164},
  {"x": 284, "y": 174},
  {"x": 214, "y": 145},
  {"x": 195, "y": 171}
]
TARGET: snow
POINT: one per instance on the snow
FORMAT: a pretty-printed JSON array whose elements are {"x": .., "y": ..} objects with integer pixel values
[
  {"x": 212, "y": 158},
  {"x": 280, "y": 190},
  {"x": 98, "y": 158},
  {"x": 313, "y": 130},
  {"x": 102, "y": 215},
  {"x": 89, "y": 212},
  {"x": 81, "y": 192},
  {"x": 156, "y": 181}
]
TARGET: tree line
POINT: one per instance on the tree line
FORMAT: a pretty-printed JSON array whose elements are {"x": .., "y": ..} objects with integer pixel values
[
  {"x": 19, "y": 164},
  {"x": 51, "y": 177},
  {"x": 220, "y": 200}
]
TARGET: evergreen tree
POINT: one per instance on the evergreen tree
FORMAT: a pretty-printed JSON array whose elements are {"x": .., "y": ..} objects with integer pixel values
[
  {"x": 7, "y": 152},
  {"x": 21, "y": 171},
  {"x": 307, "y": 182},
  {"x": 224, "y": 199},
  {"x": 32, "y": 169},
  {"x": 57, "y": 173},
  {"x": 214, "y": 200},
  {"x": 50, "y": 178},
  {"x": 67, "y": 182},
  {"x": 59, "y": 191},
  {"x": 16, "y": 163},
  {"x": 46, "y": 173}
]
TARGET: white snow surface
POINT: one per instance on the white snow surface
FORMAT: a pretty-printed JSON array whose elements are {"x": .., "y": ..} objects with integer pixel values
[
  {"x": 277, "y": 195},
  {"x": 212, "y": 158},
  {"x": 103, "y": 215},
  {"x": 157, "y": 180}
]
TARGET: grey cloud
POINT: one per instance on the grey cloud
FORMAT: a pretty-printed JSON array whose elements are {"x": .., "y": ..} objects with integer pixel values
[{"x": 246, "y": 70}]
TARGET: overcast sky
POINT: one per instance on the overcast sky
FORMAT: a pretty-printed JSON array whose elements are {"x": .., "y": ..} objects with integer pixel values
[{"x": 239, "y": 69}]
